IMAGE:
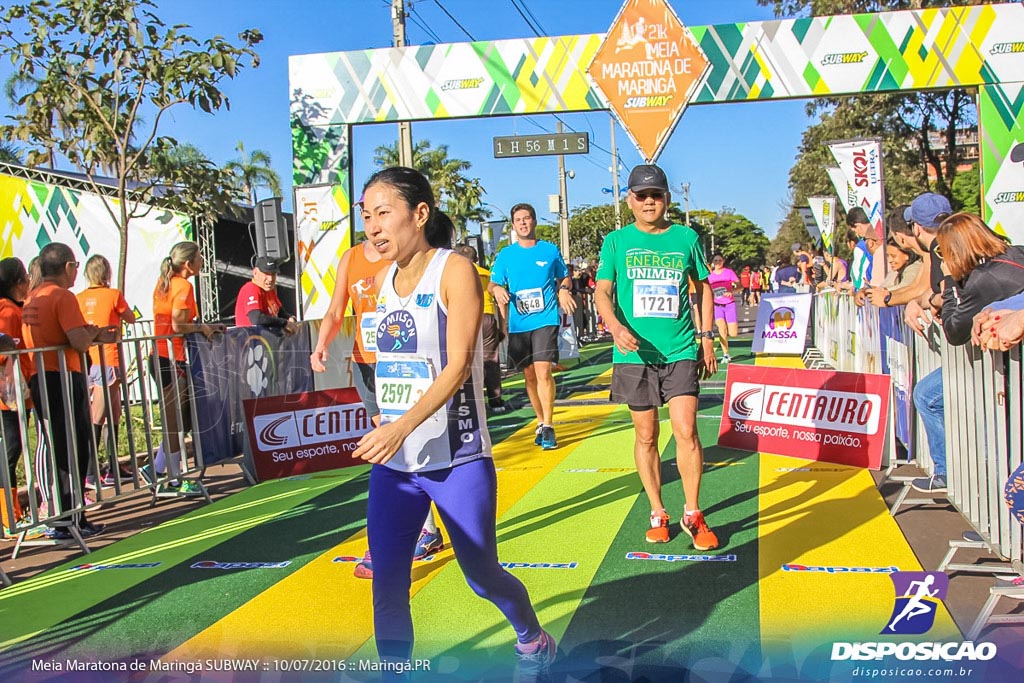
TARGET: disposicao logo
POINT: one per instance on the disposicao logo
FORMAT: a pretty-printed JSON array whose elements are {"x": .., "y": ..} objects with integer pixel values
[
  {"x": 658, "y": 557},
  {"x": 917, "y": 599}
]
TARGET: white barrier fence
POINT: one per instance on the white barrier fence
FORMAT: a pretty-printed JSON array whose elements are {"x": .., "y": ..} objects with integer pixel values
[{"x": 983, "y": 415}]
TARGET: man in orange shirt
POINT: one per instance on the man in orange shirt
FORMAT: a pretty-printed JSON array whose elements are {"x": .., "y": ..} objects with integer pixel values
[{"x": 51, "y": 317}]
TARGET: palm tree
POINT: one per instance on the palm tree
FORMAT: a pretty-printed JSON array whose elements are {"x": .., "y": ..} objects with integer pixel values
[
  {"x": 254, "y": 171},
  {"x": 457, "y": 195},
  {"x": 9, "y": 154}
]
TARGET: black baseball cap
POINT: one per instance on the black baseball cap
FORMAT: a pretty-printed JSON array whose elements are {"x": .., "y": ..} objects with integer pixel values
[
  {"x": 647, "y": 177},
  {"x": 267, "y": 265}
]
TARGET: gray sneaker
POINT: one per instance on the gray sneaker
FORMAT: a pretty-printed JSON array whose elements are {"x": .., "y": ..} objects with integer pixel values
[
  {"x": 935, "y": 484},
  {"x": 533, "y": 667}
]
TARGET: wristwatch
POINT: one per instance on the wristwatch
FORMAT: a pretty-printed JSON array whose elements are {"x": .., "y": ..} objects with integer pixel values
[
  {"x": 706, "y": 335},
  {"x": 888, "y": 295}
]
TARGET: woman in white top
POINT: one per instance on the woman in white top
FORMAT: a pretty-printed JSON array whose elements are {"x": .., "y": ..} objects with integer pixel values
[{"x": 432, "y": 443}]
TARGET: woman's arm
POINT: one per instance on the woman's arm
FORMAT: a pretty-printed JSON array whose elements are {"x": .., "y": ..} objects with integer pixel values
[{"x": 331, "y": 323}]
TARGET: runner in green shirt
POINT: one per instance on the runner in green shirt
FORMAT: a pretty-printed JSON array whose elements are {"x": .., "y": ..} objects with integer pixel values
[{"x": 646, "y": 266}]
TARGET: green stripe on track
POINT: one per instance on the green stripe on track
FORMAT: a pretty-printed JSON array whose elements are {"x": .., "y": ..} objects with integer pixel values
[{"x": 652, "y": 617}]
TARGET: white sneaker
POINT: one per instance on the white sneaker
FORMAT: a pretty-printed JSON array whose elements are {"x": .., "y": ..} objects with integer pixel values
[{"x": 725, "y": 360}]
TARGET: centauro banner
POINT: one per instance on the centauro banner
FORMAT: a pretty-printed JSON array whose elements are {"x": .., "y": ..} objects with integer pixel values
[
  {"x": 34, "y": 214},
  {"x": 837, "y": 417}
]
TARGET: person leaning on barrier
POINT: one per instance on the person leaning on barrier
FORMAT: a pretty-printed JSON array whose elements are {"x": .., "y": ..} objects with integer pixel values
[
  {"x": 904, "y": 266},
  {"x": 258, "y": 303},
  {"x": 105, "y": 306},
  {"x": 51, "y": 317},
  {"x": 13, "y": 290},
  {"x": 174, "y": 315},
  {"x": 978, "y": 267}
]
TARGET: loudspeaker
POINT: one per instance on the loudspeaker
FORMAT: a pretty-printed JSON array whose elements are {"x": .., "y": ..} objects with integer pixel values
[{"x": 272, "y": 230}]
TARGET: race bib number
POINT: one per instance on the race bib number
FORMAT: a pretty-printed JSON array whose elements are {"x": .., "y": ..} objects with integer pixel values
[
  {"x": 655, "y": 299},
  {"x": 719, "y": 292},
  {"x": 368, "y": 332},
  {"x": 400, "y": 383},
  {"x": 530, "y": 301}
]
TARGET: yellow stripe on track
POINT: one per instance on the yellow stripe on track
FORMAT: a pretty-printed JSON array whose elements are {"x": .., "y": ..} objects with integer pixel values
[
  {"x": 322, "y": 610},
  {"x": 829, "y": 516}
]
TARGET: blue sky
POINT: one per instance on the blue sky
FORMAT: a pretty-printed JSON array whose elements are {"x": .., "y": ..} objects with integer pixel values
[{"x": 733, "y": 155}]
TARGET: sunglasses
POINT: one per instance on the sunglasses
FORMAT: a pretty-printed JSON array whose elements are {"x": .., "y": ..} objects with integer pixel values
[
  {"x": 938, "y": 251},
  {"x": 643, "y": 195},
  {"x": 73, "y": 264}
]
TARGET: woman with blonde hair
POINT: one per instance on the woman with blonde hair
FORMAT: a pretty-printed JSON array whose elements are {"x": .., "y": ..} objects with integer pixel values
[
  {"x": 104, "y": 306},
  {"x": 174, "y": 315}
]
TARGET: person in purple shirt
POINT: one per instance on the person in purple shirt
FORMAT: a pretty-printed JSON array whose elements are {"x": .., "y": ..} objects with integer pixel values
[{"x": 724, "y": 282}]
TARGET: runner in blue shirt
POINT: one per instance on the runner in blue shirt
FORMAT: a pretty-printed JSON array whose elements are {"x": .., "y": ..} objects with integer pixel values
[{"x": 533, "y": 277}]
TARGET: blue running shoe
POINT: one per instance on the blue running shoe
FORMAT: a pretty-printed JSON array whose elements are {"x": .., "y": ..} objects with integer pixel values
[
  {"x": 429, "y": 543},
  {"x": 537, "y": 435},
  {"x": 547, "y": 438}
]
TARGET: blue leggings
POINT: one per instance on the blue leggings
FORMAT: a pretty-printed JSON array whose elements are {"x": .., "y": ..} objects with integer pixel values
[{"x": 466, "y": 498}]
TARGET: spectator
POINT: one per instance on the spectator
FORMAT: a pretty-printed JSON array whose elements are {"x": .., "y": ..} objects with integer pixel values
[
  {"x": 868, "y": 264},
  {"x": 105, "y": 307},
  {"x": 174, "y": 315},
  {"x": 491, "y": 328},
  {"x": 745, "y": 284},
  {"x": 786, "y": 278},
  {"x": 978, "y": 268},
  {"x": 13, "y": 290},
  {"x": 51, "y": 317},
  {"x": 835, "y": 271},
  {"x": 904, "y": 266},
  {"x": 258, "y": 303},
  {"x": 1001, "y": 325}
]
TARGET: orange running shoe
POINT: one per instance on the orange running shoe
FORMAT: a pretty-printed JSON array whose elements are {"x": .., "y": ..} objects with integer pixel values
[
  {"x": 658, "y": 533},
  {"x": 703, "y": 538}
]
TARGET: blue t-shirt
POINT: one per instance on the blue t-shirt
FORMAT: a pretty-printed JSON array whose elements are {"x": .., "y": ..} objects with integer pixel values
[{"x": 531, "y": 276}]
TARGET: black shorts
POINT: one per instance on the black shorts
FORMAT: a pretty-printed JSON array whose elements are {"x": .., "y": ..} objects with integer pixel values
[
  {"x": 643, "y": 387},
  {"x": 526, "y": 348}
]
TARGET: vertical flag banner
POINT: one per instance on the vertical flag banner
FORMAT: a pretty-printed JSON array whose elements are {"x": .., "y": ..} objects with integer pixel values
[
  {"x": 811, "y": 224},
  {"x": 861, "y": 163},
  {"x": 782, "y": 323},
  {"x": 322, "y": 234},
  {"x": 844, "y": 190},
  {"x": 824, "y": 210}
]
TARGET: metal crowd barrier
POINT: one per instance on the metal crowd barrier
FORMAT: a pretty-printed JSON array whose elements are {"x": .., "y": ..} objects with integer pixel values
[
  {"x": 984, "y": 418},
  {"x": 138, "y": 394}
]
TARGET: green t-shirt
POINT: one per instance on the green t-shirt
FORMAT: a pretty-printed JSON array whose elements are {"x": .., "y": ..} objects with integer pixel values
[{"x": 651, "y": 275}]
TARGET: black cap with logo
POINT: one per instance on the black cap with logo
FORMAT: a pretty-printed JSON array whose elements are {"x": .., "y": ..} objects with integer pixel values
[
  {"x": 647, "y": 177},
  {"x": 267, "y": 265}
]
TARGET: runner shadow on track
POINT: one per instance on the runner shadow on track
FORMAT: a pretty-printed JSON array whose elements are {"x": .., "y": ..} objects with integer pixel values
[{"x": 147, "y": 619}]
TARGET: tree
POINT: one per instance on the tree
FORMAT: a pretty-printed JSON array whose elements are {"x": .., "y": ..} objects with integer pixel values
[
  {"x": 9, "y": 154},
  {"x": 588, "y": 226},
  {"x": 457, "y": 195},
  {"x": 252, "y": 171},
  {"x": 792, "y": 8},
  {"x": 98, "y": 77},
  {"x": 966, "y": 191},
  {"x": 196, "y": 186},
  {"x": 739, "y": 240}
]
